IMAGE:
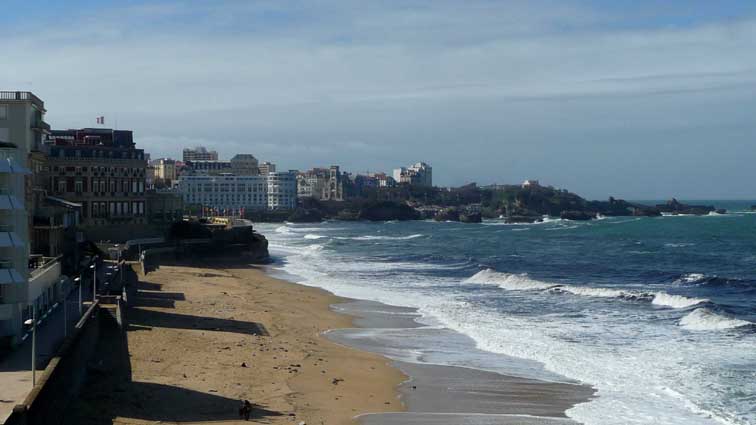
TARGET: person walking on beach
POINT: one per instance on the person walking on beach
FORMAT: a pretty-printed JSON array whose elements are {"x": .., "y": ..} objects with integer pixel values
[{"x": 245, "y": 410}]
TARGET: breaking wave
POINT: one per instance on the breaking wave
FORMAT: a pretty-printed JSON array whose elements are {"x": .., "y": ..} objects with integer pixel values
[
  {"x": 521, "y": 282},
  {"x": 704, "y": 319},
  {"x": 313, "y": 236}
]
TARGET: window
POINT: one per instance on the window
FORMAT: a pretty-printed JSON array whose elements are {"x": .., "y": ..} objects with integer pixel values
[
  {"x": 61, "y": 186},
  {"x": 79, "y": 186},
  {"x": 3, "y": 112}
]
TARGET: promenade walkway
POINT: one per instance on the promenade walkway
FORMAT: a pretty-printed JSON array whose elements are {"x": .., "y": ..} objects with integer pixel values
[{"x": 15, "y": 366}]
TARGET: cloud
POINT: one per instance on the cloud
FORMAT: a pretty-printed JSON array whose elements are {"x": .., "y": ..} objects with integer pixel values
[{"x": 301, "y": 82}]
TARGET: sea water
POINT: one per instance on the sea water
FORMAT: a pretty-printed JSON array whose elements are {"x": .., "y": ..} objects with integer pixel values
[{"x": 658, "y": 314}]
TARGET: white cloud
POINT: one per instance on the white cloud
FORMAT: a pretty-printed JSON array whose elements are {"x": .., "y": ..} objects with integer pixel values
[{"x": 300, "y": 83}]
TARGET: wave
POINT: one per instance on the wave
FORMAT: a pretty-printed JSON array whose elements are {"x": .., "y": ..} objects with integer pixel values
[
  {"x": 704, "y": 319},
  {"x": 514, "y": 282},
  {"x": 313, "y": 236},
  {"x": 691, "y": 278},
  {"x": 521, "y": 282},
  {"x": 676, "y": 301},
  {"x": 380, "y": 238}
]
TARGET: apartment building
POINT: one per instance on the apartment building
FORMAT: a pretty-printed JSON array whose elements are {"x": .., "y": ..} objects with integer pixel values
[
  {"x": 419, "y": 174},
  {"x": 24, "y": 284},
  {"x": 102, "y": 170}
]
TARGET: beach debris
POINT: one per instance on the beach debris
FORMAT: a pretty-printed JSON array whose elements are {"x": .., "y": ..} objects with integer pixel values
[
  {"x": 336, "y": 381},
  {"x": 244, "y": 364}
]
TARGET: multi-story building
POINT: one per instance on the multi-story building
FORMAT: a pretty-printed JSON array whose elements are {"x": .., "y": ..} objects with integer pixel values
[
  {"x": 206, "y": 167},
  {"x": 229, "y": 194},
  {"x": 163, "y": 172},
  {"x": 321, "y": 183},
  {"x": 200, "y": 153},
  {"x": 24, "y": 284},
  {"x": 102, "y": 170},
  {"x": 244, "y": 164},
  {"x": 267, "y": 167},
  {"x": 419, "y": 174},
  {"x": 282, "y": 190}
]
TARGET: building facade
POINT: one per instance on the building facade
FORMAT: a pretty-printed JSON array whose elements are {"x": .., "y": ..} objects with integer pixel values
[
  {"x": 229, "y": 194},
  {"x": 419, "y": 174},
  {"x": 102, "y": 170},
  {"x": 244, "y": 164},
  {"x": 321, "y": 183},
  {"x": 266, "y": 167},
  {"x": 206, "y": 167},
  {"x": 200, "y": 153},
  {"x": 24, "y": 284}
]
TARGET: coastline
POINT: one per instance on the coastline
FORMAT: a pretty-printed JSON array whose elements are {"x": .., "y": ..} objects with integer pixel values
[{"x": 202, "y": 337}]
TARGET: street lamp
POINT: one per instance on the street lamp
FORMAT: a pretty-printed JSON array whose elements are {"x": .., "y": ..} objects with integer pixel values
[
  {"x": 78, "y": 282},
  {"x": 33, "y": 323},
  {"x": 94, "y": 281}
]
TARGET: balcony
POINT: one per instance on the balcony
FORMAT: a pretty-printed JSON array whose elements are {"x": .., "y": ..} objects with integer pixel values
[
  {"x": 41, "y": 126},
  {"x": 22, "y": 96}
]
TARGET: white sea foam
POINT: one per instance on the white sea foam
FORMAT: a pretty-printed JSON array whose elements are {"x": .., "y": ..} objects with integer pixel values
[
  {"x": 691, "y": 278},
  {"x": 676, "y": 301},
  {"x": 514, "y": 282},
  {"x": 703, "y": 319},
  {"x": 521, "y": 282},
  {"x": 313, "y": 236}
]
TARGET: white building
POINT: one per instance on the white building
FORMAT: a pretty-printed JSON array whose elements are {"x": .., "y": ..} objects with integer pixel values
[
  {"x": 419, "y": 174},
  {"x": 22, "y": 128},
  {"x": 233, "y": 193},
  {"x": 530, "y": 183}
]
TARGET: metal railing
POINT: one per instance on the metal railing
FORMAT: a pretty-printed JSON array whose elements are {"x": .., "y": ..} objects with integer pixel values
[{"x": 22, "y": 96}]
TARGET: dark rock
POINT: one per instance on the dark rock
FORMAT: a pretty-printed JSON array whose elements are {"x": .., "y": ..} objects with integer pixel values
[
  {"x": 447, "y": 214},
  {"x": 387, "y": 210},
  {"x": 305, "y": 215},
  {"x": 471, "y": 217},
  {"x": 514, "y": 219},
  {"x": 577, "y": 215}
]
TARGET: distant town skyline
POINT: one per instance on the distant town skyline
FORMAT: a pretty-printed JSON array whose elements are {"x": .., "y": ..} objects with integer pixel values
[{"x": 630, "y": 99}]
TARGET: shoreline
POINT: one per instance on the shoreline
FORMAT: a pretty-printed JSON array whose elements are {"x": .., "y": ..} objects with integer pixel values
[{"x": 445, "y": 394}]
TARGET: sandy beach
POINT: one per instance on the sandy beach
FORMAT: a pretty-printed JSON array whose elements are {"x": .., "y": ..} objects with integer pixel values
[{"x": 201, "y": 339}]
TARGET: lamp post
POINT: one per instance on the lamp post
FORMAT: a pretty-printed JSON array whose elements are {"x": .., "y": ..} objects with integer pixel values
[
  {"x": 94, "y": 281},
  {"x": 81, "y": 304},
  {"x": 33, "y": 323}
]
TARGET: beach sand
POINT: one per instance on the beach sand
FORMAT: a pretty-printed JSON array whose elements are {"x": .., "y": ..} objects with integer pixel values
[{"x": 202, "y": 338}]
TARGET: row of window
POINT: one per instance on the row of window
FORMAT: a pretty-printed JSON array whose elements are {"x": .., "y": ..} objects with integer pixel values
[
  {"x": 117, "y": 171},
  {"x": 115, "y": 209},
  {"x": 100, "y": 186}
]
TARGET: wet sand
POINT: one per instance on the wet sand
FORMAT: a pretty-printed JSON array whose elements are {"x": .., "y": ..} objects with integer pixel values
[{"x": 444, "y": 394}]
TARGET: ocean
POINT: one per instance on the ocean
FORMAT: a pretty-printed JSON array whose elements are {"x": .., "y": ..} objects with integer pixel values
[{"x": 657, "y": 314}]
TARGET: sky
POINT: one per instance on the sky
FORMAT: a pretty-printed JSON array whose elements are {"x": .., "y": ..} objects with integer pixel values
[{"x": 633, "y": 99}]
